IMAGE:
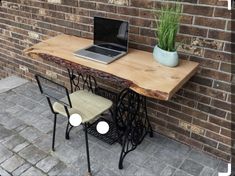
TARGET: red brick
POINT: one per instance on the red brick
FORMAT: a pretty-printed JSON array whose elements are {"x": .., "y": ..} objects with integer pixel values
[
  {"x": 87, "y": 4},
  {"x": 106, "y": 8},
  {"x": 222, "y": 86},
  {"x": 218, "y": 55},
  {"x": 221, "y": 104},
  {"x": 217, "y": 153},
  {"x": 189, "y": 141},
  {"x": 225, "y": 148},
  {"x": 178, "y": 129},
  {"x": 208, "y": 22},
  {"x": 184, "y": 100},
  {"x": 206, "y": 125},
  {"x": 205, "y": 62},
  {"x": 142, "y": 4},
  {"x": 212, "y": 110},
  {"x": 198, "y": 10},
  {"x": 168, "y": 118},
  {"x": 229, "y": 47},
  {"x": 195, "y": 31},
  {"x": 204, "y": 140},
  {"x": 226, "y": 67},
  {"x": 219, "y": 121},
  {"x": 195, "y": 113},
  {"x": 146, "y": 13},
  {"x": 221, "y": 12},
  {"x": 213, "y": 2},
  {"x": 220, "y": 35},
  {"x": 219, "y": 138},
  {"x": 216, "y": 75},
  {"x": 180, "y": 115},
  {"x": 127, "y": 11}
]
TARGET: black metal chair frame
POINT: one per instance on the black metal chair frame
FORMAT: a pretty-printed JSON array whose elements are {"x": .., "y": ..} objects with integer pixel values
[
  {"x": 66, "y": 106},
  {"x": 130, "y": 114}
]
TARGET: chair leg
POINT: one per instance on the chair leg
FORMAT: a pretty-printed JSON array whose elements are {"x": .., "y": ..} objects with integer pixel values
[
  {"x": 87, "y": 150},
  {"x": 67, "y": 131},
  {"x": 54, "y": 131}
]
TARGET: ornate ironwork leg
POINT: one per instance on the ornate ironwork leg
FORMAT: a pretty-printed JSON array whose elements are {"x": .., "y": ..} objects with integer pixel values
[
  {"x": 132, "y": 109},
  {"x": 150, "y": 129},
  {"x": 80, "y": 81}
]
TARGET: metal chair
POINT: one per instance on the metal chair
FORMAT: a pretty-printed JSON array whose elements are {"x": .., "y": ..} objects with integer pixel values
[{"x": 83, "y": 102}]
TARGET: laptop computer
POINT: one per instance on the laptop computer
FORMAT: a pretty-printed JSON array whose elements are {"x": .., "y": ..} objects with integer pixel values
[{"x": 110, "y": 41}]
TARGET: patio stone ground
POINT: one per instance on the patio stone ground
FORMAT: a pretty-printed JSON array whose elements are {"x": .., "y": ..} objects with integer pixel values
[{"x": 25, "y": 146}]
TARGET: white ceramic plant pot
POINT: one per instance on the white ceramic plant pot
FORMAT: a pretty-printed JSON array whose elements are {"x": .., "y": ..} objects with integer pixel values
[{"x": 166, "y": 58}]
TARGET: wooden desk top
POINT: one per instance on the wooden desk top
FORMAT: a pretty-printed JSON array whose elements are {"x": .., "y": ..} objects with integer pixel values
[{"x": 138, "y": 68}]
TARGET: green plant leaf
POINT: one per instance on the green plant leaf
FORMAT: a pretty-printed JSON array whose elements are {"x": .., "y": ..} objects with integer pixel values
[{"x": 168, "y": 25}]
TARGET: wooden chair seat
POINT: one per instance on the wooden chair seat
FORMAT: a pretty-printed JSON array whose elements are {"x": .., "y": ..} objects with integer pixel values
[{"x": 86, "y": 104}]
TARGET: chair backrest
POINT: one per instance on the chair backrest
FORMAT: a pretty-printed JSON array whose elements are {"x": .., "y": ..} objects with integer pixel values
[{"x": 53, "y": 90}]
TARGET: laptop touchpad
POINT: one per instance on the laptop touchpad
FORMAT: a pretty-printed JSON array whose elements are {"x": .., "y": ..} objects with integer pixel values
[{"x": 102, "y": 51}]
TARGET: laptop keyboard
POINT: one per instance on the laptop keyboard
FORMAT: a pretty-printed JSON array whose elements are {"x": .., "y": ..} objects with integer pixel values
[{"x": 102, "y": 51}]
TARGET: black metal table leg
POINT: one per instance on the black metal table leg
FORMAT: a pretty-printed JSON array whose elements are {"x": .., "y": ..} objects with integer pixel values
[{"x": 131, "y": 109}]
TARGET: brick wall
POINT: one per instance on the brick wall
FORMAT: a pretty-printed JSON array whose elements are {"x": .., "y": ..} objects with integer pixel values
[{"x": 199, "y": 114}]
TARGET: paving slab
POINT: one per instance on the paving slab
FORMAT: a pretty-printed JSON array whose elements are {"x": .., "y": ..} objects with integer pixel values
[
  {"x": 168, "y": 171},
  {"x": 44, "y": 125},
  {"x": 192, "y": 167},
  {"x": 4, "y": 153},
  {"x": 154, "y": 166},
  {"x": 60, "y": 167},
  {"x": 44, "y": 143},
  {"x": 223, "y": 167},
  {"x": 107, "y": 172},
  {"x": 81, "y": 165},
  {"x": 12, "y": 163},
  {"x": 69, "y": 172},
  {"x": 167, "y": 155},
  {"x": 181, "y": 173},
  {"x": 208, "y": 172},
  {"x": 32, "y": 154},
  {"x": 21, "y": 169},
  {"x": 30, "y": 133},
  {"x": 10, "y": 83},
  {"x": 47, "y": 163},
  {"x": 3, "y": 172},
  {"x": 137, "y": 157},
  {"x": 176, "y": 147},
  {"x": 128, "y": 170},
  {"x": 20, "y": 146},
  {"x": 4, "y": 133},
  {"x": 32, "y": 171},
  {"x": 13, "y": 141},
  {"x": 67, "y": 154},
  {"x": 204, "y": 159}
]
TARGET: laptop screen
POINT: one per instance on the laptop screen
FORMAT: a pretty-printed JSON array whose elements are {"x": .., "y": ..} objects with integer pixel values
[{"x": 111, "y": 33}]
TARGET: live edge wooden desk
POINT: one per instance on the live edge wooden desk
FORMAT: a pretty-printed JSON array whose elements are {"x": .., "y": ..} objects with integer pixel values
[{"x": 138, "y": 72}]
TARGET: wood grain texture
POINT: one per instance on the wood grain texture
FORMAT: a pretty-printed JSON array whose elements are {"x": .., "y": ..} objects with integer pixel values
[{"x": 137, "y": 70}]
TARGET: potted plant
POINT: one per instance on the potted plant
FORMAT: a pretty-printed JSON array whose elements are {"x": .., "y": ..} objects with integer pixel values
[{"x": 167, "y": 27}]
